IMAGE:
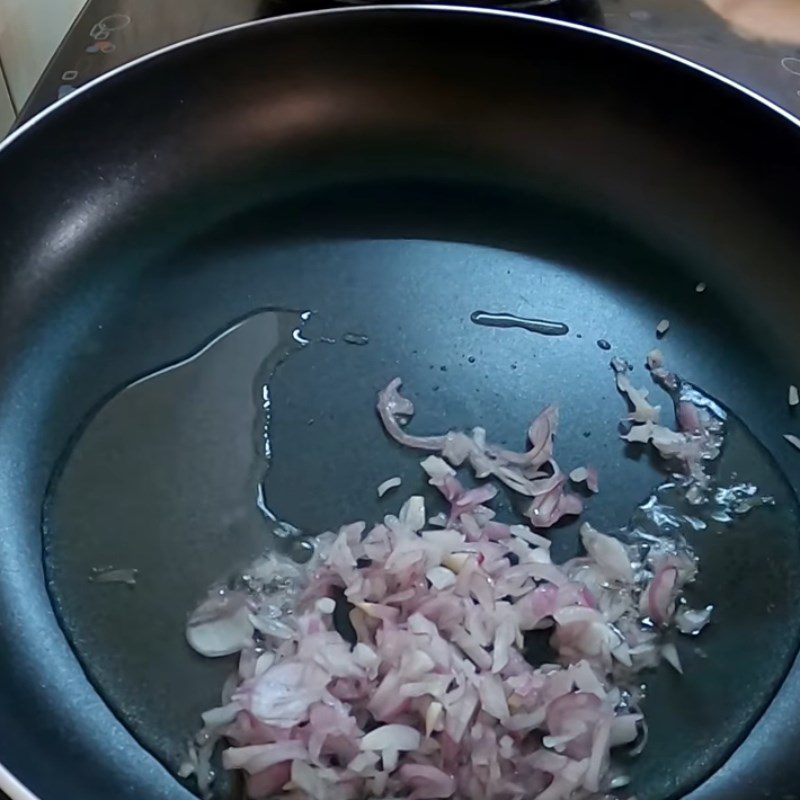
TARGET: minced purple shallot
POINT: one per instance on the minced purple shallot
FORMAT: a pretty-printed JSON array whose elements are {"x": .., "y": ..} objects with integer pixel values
[
  {"x": 533, "y": 473},
  {"x": 434, "y": 697},
  {"x": 394, "y": 664}
]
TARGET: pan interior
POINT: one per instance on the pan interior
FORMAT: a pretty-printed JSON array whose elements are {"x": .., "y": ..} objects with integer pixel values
[{"x": 160, "y": 476}]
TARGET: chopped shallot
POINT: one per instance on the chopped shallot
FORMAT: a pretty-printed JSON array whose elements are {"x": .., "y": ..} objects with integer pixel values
[
  {"x": 435, "y": 698},
  {"x": 642, "y": 411},
  {"x": 792, "y": 439},
  {"x": 699, "y": 436},
  {"x": 221, "y": 625},
  {"x": 609, "y": 553},
  {"x": 578, "y": 475},
  {"x": 587, "y": 475},
  {"x": 670, "y": 654},
  {"x": 691, "y": 621},
  {"x": 394, "y": 664},
  {"x": 533, "y": 473},
  {"x": 388, "y": 484},
  {"x": 655, "y": 359}
]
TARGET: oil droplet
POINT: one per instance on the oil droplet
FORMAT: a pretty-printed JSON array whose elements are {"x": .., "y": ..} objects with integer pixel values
[
  {"x": 603, "y": 344},
  {"x": 302, "y": 551},
  {"x": 356, "y": 338},
  {"x": 111, "y": 574},
  {"x": 504, "y": 320}
]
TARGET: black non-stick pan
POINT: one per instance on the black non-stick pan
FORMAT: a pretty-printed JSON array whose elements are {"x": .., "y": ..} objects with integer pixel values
[{"x": 392, "y": 170}]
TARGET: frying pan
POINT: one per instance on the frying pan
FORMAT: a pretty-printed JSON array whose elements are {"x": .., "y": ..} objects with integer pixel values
[{"x": 393, "y": 170}]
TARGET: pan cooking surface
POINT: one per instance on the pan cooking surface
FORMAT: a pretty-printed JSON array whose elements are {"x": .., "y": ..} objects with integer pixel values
[
  {"x": 395, "y": 172},
  {"x": 163, "y": 477}
]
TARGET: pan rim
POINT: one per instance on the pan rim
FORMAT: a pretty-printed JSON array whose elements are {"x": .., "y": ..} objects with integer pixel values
[
  {"x": 11, "y": 785},
  {"x": 403, "y": 7}
]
